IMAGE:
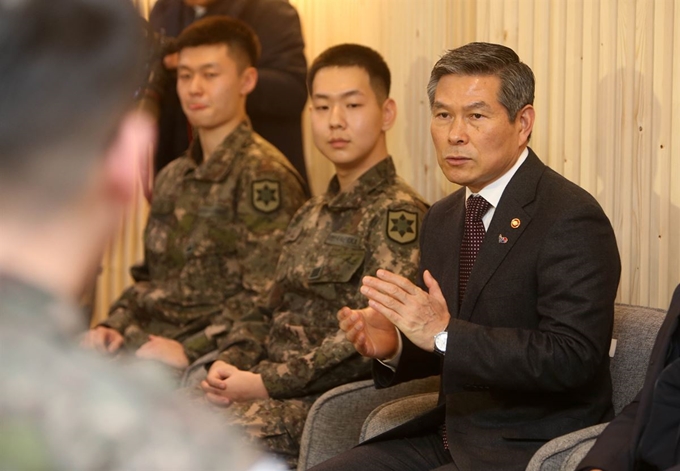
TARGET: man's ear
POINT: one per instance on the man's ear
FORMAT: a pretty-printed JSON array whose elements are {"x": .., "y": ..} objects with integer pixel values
[
  {"x": 389, "y": 112},
  {"x": 248, "y": 80},
  {"x": 525, "y": 119},
  {"x": 128, "y": 153}
]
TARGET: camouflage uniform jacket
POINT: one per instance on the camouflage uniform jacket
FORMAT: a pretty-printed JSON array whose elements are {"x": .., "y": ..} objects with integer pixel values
[
  {"x": 99, "y": 415},
  {"x": 212, "y": 242},
  {"x": 333, "y": 241}
]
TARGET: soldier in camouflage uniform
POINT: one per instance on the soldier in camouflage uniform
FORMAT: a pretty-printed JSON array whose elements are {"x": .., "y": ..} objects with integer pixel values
[
  {"x": 217, "y": 216},
  {"x": 274, "y": 366}
]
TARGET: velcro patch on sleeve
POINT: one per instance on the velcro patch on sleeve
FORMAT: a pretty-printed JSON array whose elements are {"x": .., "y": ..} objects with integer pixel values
[
  {"x": 266, "y": 195},
  {"x": 402, "y": 226}
]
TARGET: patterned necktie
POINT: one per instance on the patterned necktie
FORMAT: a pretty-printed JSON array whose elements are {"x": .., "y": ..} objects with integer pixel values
[{"x": 473, "y": 236}]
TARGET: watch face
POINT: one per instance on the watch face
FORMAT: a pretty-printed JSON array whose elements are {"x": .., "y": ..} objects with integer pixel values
[{"x": 440, "y": 341}]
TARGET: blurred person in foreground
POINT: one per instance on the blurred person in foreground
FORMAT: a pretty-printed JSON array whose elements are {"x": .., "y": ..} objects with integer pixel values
[
  {"x": 277, "y": 361},
  {"x": 69, "y": 147},
  {"x": 218, "y": 214}
]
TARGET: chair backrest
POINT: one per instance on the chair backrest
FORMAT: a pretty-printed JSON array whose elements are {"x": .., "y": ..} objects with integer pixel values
[
  {"x": 635, "y": 330},
  {"x": 334, "y": 422}
]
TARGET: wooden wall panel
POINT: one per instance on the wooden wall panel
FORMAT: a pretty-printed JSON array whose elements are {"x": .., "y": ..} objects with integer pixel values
[{"x": 607, "y": 101}]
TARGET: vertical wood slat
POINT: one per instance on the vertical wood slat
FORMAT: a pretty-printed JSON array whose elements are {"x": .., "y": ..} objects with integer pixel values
[
  {"x": 572, "y": 105},
  {"x": 555, "y": 79},
  {"x": 673, "y": 150},
  {"x": 643, "y": 49},
  {"x": 629, "y": 207},
  {"x": 589, "y": 178},
  {"x": 662, "y": 122},
  {"x": 607, "y": 113},
  {"x": 541, "y": 60}
]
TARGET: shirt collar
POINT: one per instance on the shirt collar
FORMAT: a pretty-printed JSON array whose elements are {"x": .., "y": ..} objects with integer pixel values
[
  {"x": 354, "y": 196},
  {"x": 494, "y": 190}
]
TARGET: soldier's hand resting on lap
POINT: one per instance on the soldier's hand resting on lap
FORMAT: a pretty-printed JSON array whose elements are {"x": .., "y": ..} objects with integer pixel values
[
  {"x": 103, "y": 339},
  {"x": 165, "y": 350},
  {"x": 226, "y": 384}
]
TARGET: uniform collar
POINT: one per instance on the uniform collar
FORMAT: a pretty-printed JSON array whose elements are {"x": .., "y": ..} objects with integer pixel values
[
  {"x": 217, "y": 166},
  {"x": 354, "y": 196}
]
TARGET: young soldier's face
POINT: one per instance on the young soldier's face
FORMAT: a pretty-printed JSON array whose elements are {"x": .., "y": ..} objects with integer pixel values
[
  {"x": 210, "y": 86},
  {"x": 347, "y": 120},
  {"x": 476, "y": 142}
]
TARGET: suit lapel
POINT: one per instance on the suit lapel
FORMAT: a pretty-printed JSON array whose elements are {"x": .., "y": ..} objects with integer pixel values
[
  {"x": 502, "y": 236},
  {"x": 448, "y": 232}
]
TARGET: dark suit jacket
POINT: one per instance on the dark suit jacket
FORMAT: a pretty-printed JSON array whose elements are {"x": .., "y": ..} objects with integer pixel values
[
  {"x": 275, "y": 106},
  {"x": 619, "y": 446},
  {"x": 526, "y": 359}
]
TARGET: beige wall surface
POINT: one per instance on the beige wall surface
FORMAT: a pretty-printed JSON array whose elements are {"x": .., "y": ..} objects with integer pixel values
[{"x": 607, "y": 102}]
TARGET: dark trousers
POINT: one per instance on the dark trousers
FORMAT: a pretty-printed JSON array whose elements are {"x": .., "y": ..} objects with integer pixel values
[
  {"x": 659, "y": 446},
  {"x": 419, "y": 453}
]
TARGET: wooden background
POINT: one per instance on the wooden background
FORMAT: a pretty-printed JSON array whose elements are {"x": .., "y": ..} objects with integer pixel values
[{"x": 607, "y": 103}]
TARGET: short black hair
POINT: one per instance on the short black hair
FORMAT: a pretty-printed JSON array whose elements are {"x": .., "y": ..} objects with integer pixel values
[
  {"x": 68, "y": 73},
  {"x": 241, "y": 40},
  {"x": 355, "y": 55}
]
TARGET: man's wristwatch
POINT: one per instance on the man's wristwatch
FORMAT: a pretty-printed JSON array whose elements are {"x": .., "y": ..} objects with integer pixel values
[{"x": 440, "y": 342}]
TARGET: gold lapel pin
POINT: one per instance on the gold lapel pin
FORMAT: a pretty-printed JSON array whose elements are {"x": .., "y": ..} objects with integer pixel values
[{"x": 515, "y": 223}]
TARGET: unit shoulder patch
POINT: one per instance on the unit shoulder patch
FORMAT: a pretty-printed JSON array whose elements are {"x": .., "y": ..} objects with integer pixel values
[
  {"x": 402, "y": 226},
  {"x": 266, "y": 195}
]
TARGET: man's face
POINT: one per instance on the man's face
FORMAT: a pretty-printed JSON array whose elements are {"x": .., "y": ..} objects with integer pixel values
[
  {"x": 210, "y": 87},
  {"x": 475, "y": 141},
  {"x": 347, "y": 120}
]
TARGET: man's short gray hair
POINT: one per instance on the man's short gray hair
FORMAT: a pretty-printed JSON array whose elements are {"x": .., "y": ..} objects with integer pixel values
[{"x": 486, "y": 59}]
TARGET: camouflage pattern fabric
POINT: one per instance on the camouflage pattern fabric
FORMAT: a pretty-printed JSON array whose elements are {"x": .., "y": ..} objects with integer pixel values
[
  {"x": 333, "y": 241},
  {"x": 97, "y": 414},
  {"x": 212, "y": 242}
]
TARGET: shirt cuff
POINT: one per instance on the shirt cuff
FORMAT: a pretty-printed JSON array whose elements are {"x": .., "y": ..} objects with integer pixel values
[{"x": 393, "y": 362}]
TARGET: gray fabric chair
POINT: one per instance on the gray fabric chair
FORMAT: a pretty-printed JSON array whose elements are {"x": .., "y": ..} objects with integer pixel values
[
  {"x": 635, "y": 330},
  {"x": 335, "y": 420},
  {"x": 391, "y": 414}
]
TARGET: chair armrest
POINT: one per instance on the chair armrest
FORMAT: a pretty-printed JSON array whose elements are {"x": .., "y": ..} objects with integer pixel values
[
  {"x": 565, "y": 452},
  {"x": 335, "y": 419},
  {"x": 196, "y": 372},
  {"x": 394, "y": 413}
]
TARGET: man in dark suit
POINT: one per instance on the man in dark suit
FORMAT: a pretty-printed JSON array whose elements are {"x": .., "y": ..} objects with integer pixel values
[
  {"x": 519, "y": 331},
  {"x": 644, "y": 436}
]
